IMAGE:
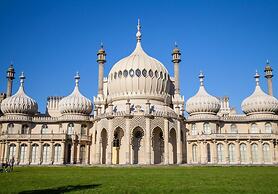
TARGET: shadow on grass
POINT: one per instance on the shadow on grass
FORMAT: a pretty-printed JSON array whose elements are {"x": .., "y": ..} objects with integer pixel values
[{"x": 59, "y": 190}]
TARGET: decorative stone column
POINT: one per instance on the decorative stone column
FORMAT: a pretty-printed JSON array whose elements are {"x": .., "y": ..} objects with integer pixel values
[
  {"x": 72, "y": 153},
  {"x": 78, "y": 160},
  {"x": 226, "y": 152},
  {"x": 213, "y": 152},
  {"x": 17, "y": 157},
  {"x": 127, "y": 141},
  {"x": 6, "y": 152},
  {"x": 10, "y": 78},
  {"x": 260, "y": 149},
  {"x": 87, "y": 154},
  {"x": 62, "y": 152},
  {"x": 148, "y": 144},
  {"x": 52, "y": 153},
  {"x": 109, "y": 144},
  {"x": 176, "y": 60},
  {"x": 268, "y": 76},
  {"x": 166, "y": 141},
  {"x": 98, "y": 147},
  {"x": 237, "y": 151},
  {"x": 29, "y": 153},
  {"x": 179, "y": 144},
  {"x": 272, "y": 152}
]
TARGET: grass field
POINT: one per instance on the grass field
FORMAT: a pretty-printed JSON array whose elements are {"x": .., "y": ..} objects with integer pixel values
[{"x": 140, "y": 180}]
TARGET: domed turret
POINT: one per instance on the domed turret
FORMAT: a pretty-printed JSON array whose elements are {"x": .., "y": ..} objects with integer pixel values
[
  {"x": 139, "y": 76},
  {"x": 75, "y": 103},
  {"x": 259, "y": 102},
  {"x": 202, "y": 102},
  {"x": 19, "y": 103}
]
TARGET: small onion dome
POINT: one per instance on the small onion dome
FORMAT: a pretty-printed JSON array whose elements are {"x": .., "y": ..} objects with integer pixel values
[
  {"x": 202, "y": 102},
  {"x": 75, "y": 103},
  {"x": 19, "y": 103},
  {"x": 259, "y": 102}
]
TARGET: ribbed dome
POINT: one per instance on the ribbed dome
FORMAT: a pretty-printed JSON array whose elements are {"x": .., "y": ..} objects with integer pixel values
[
  {"x": 259, "y": 102},
  {"x": 19, "y": 103},
  {"x": 75, "y": 103},
  {"x": 202, "y": 102},
  {"x": 138, "y": 75}
]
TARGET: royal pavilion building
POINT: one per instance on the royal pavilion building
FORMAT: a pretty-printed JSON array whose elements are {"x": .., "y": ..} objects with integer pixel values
[{"x": 137, "y": 117}]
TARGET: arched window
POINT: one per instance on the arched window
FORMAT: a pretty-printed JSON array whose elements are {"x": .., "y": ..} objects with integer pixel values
[
  {"x": 10, "y": 128},
  {"x": 23, "y": 153},
  {"x": 220, "y": 157},
  {"x": 232, "y": 153},
  {"x": 266, "y": 152},
  {"x": 12, "y": 151},
  {"x": 208, "y": 153},
  {"x": 254, "y": 152},
  {"x": 44, "y": 129},
  {"x": 24, "y": 129},
  {"x": 243, "y": 152},
  {"x": 35, "y": 153},
  {"x": 46, "y": 153},
  {"x": 254, "y": 128},
  {"x": 268, "y": 128},
  {"x": 233, "y": 128},
  {"x": 194, "y": 129},
  {"x": 70, "y": 128},
  {"x": 194, "y": 153},
  {"x": 207, "y": 128},
  {"x": 83, "y": 129},
  {"x": 57, "y": 153}
]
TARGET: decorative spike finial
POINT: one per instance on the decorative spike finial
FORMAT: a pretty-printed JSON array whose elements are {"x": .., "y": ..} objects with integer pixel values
[
  {"x": 176, "y": 45},
  {"x": 267, "y": 62},
  {"x": 101, "y": 44},
  {"x": 138, "y": 34},
  {"x": 201, "y": 77},
  {"x": 77, "y": 78},
  {"x": 257, "y": 78},
  {"x": 22, "y": 78}
]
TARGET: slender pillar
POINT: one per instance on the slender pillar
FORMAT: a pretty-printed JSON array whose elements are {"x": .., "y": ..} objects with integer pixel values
[
  {"x": 272, "y": 152},
  {"x": 179, "y": 144},
  {"x": 63, "y": 153},
  {"x": 127, "y": 140},
  {"x": 237, "y": 152},
  {"x": 148, "y": 142},
  {"x": 10, "y": 78},
  {"x": 72, "y": 153},
  {"x": 78, "y": 160},
  {"x": 101, "y": 60},
  {"x": 109, "y": 144},
  {"x": 176, "y": 60},
  {"x": 166, "y": 141},
  {"x": 17, "y": 158},
  {"x": 6, "y": 152},
  {"x": 268, "y": 76},
  {"x": 98, "y": 147},
  {"x": 87, "y": 154},
  {"x": 29, "y": 153},
  {"x": 260, "y": 147},
  {"x": 226, "y": 152},
  {"x": 213, "y": 152}
]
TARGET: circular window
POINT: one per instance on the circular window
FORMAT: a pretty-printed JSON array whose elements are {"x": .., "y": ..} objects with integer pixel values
[
  {"x": 151, "y": 73},
  {"x": 120, "y": 74},
  {"x": 115, "y": 75},
  {"x": 144, "y": 72},
  {"x": 156, "y": 74},
  {"x": 125, "y": 73},
  {"x": 138, "y": 72},
  {"x": 161, "y": 75},
  {"x": 131, "y": 73}
]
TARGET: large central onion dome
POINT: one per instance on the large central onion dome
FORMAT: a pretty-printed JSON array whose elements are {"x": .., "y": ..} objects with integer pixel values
[
  {"x": 259, "y": 102},
  {"x": 75, "y": 103},
  {"x": 202, "y": 102},
  {"x": 138, "y": 76},
  {"x": 19, "y": 103}
]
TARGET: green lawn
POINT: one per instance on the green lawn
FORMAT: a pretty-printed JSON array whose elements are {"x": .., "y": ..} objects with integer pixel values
[{"x": 140, "y": 180}]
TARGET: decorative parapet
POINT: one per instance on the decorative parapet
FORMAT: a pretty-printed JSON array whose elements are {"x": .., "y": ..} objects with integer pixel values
[
  {"x": 32, "y": 137},
  {"x": 233, "y": 136},
  {"x": 76, "y": 117}
]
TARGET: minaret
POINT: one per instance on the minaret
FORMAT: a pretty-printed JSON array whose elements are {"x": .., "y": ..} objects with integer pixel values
[
  {"x": 268, "y": 76},
  {"x": 101, "y": 60},
  {"x": 176, "y": 60},
  {"x": 10, "y": 78}
]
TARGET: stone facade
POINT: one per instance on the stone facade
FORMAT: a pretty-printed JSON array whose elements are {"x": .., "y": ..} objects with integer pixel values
[{"x": 137, "y": 117}]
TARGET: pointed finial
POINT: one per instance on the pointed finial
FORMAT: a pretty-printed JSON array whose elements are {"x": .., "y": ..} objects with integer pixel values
[
  {"x": 267, "y": 62},
  {"x": 101, "y": 44},
  {"x": 22, "y": 78},
  {"x": 77, "y": 78},
  {"x": 257, "y": 78},
  {"x": 138, "y": 34},
  {"x": 176, "y": 45},
  {"x": 201, "y": 77}
]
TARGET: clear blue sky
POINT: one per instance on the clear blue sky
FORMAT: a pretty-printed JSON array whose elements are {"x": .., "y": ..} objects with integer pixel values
[{"x": 51, "y": 40}]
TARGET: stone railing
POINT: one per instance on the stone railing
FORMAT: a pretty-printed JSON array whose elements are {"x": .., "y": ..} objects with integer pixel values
[
  {"x": 33, "y": 137},
  {"x": 233, "y": 136}
]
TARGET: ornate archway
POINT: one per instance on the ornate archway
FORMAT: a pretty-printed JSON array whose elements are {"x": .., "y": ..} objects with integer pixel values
[
  {"x": 158, "y": 146},
  {"x": 137, "y": 146}
]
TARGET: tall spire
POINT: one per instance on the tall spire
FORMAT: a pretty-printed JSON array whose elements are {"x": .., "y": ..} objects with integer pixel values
[
  {"x": 257, "y": 78},
  {"x": 201, "y": 77},
  {"x": 268, "y": 75},
  {"x": 138, "y": 34}
]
